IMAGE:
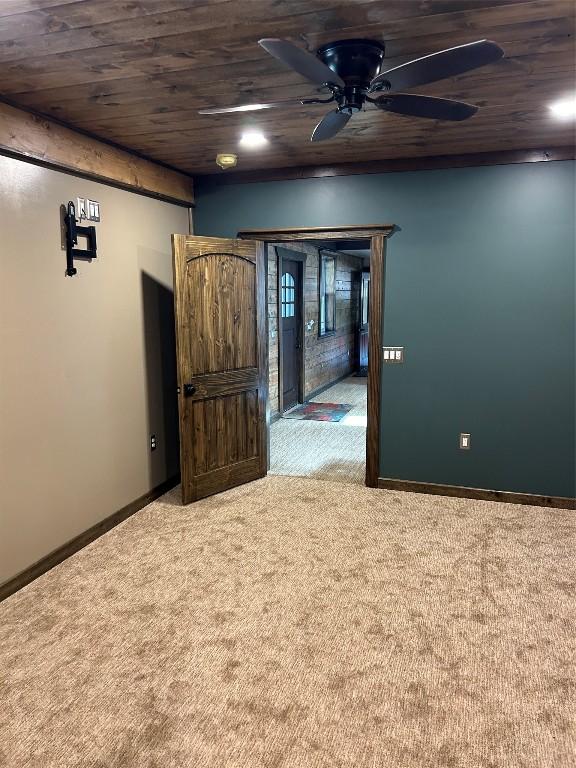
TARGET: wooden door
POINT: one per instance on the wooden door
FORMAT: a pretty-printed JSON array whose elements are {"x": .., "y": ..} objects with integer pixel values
[
  {"x": 220, "y": 308},
  {"x": 291, "y": 329}
]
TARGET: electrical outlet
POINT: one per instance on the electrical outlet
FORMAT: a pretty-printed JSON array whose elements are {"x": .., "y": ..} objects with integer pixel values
[
  {"x": 152, "y": 442},
  {"x": 465, "y": 441}
]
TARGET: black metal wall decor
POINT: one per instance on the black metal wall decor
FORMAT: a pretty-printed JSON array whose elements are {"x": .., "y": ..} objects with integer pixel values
[{"x": 73, "y": 231}]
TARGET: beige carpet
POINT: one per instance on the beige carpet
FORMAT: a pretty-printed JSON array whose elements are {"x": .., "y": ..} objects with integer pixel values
[
  {"x": 323, "y": 450},
  {"x": 295, "y": 623}
]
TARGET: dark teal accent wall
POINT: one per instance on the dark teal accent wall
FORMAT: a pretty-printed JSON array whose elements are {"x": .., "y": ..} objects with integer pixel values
[{"x": 480, "y": 289}]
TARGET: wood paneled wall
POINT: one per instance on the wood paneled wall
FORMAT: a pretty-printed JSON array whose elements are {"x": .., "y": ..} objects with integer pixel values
[
  {"x": 25, "y": 135},
  {"x": 326, "y": 358},
  {"x": 273, "y": 331}
]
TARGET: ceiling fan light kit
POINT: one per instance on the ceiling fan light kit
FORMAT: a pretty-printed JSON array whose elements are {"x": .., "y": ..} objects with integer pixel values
[{"x": 351, "y": 71}]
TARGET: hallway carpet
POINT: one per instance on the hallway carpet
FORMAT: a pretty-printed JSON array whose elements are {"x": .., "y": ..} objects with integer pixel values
[
  {"x": 295, "y": 623},
  {"x": 324, "y": 450}
]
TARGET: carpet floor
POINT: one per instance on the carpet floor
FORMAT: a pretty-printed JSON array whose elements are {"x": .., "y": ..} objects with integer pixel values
[
  {"x": 323, "y": 450},
  {"x": 295, "y": 623}
]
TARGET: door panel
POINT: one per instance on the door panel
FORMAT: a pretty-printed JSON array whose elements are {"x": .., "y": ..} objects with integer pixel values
[
  {"x": 291, "y": 321},
  {"x": 230, "y": 426},
  {"x": 219, "y": 291},
  {"x": 289, "y": 371}
]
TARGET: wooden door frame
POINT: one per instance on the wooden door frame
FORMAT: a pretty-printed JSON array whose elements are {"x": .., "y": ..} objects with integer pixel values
[
  {"x": 376, "y": 234},
  {"x": 301, "y": 258}
]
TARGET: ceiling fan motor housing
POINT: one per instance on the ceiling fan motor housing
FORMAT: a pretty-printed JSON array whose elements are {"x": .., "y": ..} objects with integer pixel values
[{"x": 357, "y": 62}]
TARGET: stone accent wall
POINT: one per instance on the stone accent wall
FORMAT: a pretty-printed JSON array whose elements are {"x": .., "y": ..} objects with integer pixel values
[{"x": 326, "y": 358}]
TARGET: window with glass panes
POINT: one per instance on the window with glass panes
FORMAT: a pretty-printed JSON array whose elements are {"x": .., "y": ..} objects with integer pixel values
[
  {"x": 327, "y": 294},
  {"x": 288, "y": 295}
]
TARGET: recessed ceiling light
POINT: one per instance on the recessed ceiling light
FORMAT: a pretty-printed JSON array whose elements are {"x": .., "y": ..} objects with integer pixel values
[
  {"x": 565, "y": 108},
  {"x": 253, "y": 139}
]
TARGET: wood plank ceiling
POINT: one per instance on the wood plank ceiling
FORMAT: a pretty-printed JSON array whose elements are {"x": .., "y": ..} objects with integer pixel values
[{"x": 136, "y": 72}]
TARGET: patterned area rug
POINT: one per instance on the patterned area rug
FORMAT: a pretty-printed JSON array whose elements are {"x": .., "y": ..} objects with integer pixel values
[{"x": 319, "y": 412}]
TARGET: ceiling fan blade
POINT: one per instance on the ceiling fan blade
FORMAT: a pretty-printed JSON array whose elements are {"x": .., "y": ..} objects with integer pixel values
[
  {"x": 330, "y": 125},
  {"x": 306, "y": 64},
  {"x": 425, "y": 106},
  {"x": 437, "y": 66},
  {"x": 249, "y": 107}
]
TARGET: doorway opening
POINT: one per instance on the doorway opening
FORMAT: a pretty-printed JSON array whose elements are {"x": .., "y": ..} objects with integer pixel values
[
  {"x": 317, "y": 397},
  {"x": 324, "y": 293}
]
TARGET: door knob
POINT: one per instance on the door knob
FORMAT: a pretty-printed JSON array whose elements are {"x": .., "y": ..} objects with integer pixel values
[{"x": 189, "y": 390}]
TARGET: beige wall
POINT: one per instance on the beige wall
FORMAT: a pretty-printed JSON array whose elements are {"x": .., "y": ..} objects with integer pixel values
[{"x": 86, "y": 363}]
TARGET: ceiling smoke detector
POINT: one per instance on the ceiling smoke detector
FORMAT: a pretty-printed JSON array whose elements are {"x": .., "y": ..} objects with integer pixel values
[{"x": 226, "y": 160}]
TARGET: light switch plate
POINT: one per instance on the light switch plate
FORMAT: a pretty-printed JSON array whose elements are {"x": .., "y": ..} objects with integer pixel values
[
  {"x": 81, "y": 208},
  {"x": 465, "y": 441},
  {"x": 93, "y": 210},
  {"x": 393, "y": 354}
]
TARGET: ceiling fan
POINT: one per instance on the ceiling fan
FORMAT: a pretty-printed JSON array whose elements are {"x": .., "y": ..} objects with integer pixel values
[{"x": 350, "y": 71}]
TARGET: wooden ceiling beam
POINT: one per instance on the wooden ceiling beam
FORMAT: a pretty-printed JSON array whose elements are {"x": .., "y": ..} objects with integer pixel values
[{"x": 25, "y": 135}]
